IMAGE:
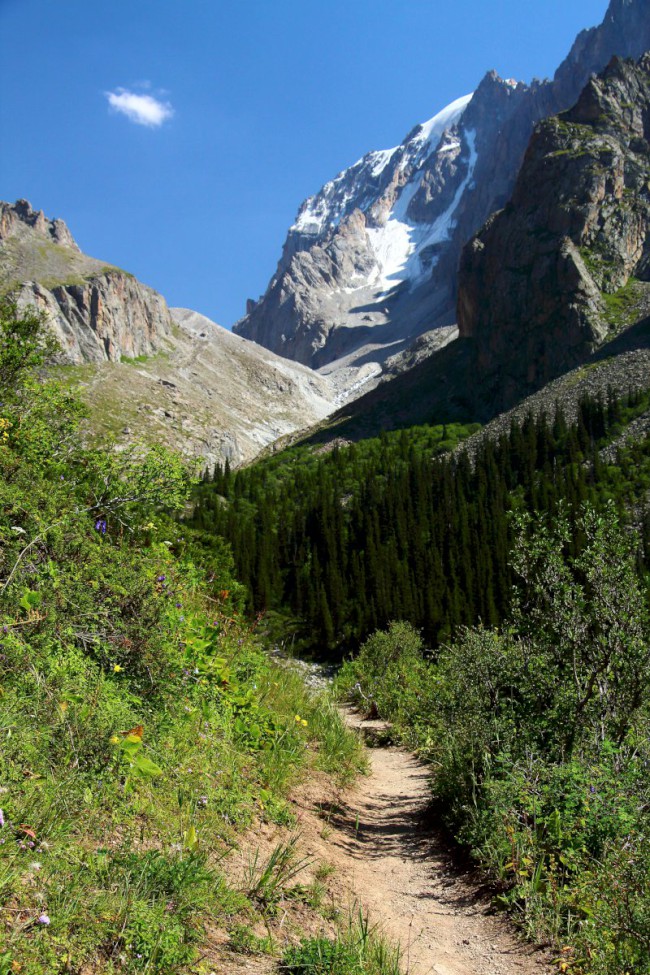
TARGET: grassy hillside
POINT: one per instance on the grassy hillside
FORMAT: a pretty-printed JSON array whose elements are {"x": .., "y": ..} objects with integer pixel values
[{"x": 143, "y": 728}]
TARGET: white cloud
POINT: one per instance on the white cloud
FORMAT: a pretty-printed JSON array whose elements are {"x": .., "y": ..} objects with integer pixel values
[{"x": 141, "y": 109}]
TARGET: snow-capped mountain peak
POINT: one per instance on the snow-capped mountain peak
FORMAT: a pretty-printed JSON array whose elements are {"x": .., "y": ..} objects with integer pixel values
[
  {"x": 371, "y": 261},
  {"x": 356, "y": 187}
]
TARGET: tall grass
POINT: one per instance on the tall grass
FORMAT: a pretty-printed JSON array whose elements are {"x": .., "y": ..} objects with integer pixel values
[{"x": 358, "y": 949}]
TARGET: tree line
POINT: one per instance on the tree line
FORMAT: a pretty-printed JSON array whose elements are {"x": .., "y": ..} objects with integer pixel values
[{"x": 400, "y": 527}]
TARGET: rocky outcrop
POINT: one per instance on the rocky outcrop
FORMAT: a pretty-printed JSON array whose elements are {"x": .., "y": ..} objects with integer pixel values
[
  {"x": 97, "y": 311},
  {"x": 14, "y": 216},
  {"x": 547, "y": 280},
  {"x": 371, "y": 262},
  {"x": 108, "y": 316}
]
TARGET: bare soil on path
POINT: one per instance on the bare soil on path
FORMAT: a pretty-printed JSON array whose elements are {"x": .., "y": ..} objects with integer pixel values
[
  {"x": 400, "y": 871},
  {"x": 387, "y": 860}
]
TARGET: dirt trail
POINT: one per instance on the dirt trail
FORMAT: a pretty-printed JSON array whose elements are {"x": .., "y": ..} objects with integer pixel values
[
  {"x": 391, "y": 864},
  {"x": 387, "y": 861}
]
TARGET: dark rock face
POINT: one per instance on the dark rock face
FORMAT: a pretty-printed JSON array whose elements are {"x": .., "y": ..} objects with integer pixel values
[
  {"x": 330, "y": 273},
  {"x": 534, "y": 283}
]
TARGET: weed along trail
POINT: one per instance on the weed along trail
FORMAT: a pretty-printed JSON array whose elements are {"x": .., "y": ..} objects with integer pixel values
[{"x": 396, "y": 869}]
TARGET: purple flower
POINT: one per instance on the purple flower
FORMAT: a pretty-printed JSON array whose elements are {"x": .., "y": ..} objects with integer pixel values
[
  {"x": 100, "y": 525},
  {"x": 43, "y": 919},
  {"x": 179, "y": 605},
  {"x": 161, "y": 578}
]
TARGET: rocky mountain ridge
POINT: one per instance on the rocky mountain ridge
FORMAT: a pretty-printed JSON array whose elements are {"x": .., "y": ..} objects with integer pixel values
[
  {"x": 554, "y": 274},
  {"x": 97, "y": 311},
  {"x": 149, "y": 373},
  {"x": 371, "y": 261},
  {"x": 210, "y": 395}
]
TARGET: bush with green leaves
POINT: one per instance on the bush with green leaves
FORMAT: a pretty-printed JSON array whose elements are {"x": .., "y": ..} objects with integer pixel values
[
  {"x": 538, "y": 736},
  {"x": 387, "y": 675}
]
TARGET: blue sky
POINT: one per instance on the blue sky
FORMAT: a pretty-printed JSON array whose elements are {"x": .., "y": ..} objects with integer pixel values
[{"x": 249, "y": 105}]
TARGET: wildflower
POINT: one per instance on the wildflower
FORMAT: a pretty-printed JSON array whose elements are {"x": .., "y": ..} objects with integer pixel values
[
  {"x": 179, "y": 605},
  {"x": 114, "y": 740},
  {"x": 43, "y": 919},
  {"x": 303, "y": 722},
  {"x": 161, "y": 578},
  {"x": 298, "y": 719},
  {"x": 116, "y": 668},
  {"x": 2, "y": 818},
  {"x": 100, "y": 526}
]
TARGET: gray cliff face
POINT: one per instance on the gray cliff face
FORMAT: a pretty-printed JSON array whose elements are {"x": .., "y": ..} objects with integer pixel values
[
  {"x": 544, "y": 282},
  {"x": 371, "y": 262},
  {"x": 96, "y": 311},
  {"x": 213, "y": 395},
  {"x": 109, "y": 316}
]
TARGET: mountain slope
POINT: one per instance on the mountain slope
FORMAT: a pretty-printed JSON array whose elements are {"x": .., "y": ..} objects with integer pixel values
[
  {"x": 371, "y": 261},
  {"x": 148, "y": 373},
  {"x": 210, "y": 394},
  {"x": 567, "y": 263}
]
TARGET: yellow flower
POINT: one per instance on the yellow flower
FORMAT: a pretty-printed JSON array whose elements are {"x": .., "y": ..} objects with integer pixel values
[
  {"x": 303, "y": 722},
  {"x": 63, "y": 705},
  {"x": 298, "y": 718},
  {"x": 116, "y": 669},
  {"x": 114, "y": 740}
]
